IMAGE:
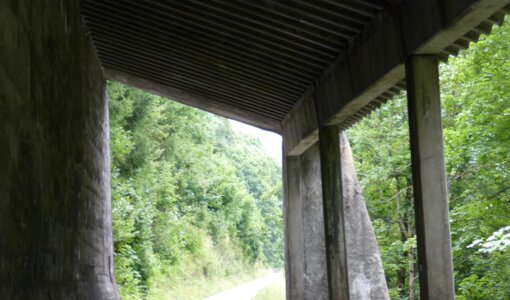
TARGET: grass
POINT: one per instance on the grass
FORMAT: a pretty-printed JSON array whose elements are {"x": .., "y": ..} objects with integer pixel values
[
  {"x": 200, "y": 287},
  {"x": 275, "y": 291},
  {"x": 213, "y": 269}
]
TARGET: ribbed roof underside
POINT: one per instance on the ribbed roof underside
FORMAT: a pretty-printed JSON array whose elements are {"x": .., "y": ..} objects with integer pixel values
[{"x": 259, "y": 56}]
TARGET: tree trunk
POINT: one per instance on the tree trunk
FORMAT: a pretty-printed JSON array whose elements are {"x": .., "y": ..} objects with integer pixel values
[
  {"x": 410, "y": 257},
  {"x": 401, "y": 273}
]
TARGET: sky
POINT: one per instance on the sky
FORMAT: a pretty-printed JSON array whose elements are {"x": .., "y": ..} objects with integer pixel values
[{"x": 271, "y": 142}]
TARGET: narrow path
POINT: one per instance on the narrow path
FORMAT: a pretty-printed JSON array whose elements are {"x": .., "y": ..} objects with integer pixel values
[{"x": 246, "y": 291}]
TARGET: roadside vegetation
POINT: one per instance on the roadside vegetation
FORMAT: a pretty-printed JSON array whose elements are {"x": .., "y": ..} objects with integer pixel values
[
  {"x": 475, "y": 91},
  {"x": 185, "y": 288},
  {"x": 196, "y": 206}
]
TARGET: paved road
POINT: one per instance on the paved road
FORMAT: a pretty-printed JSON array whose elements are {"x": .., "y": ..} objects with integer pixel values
[{"x": 248, "y": 290}]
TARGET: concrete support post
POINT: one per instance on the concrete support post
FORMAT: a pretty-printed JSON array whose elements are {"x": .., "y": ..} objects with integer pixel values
[
  {"x": 304, "y": 225},
  {"x": 429, "y": 179},
  {"x": 325, "y": 213},
  {"x": 334, "y": 218},
  {"x": 293, "y": 229}
]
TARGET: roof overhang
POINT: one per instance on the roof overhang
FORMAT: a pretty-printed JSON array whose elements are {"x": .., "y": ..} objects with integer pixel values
[{"x": 284, "y": 66}]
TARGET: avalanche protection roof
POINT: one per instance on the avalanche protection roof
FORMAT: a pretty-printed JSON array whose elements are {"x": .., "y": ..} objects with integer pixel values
[{"x": 258, "y": 61}]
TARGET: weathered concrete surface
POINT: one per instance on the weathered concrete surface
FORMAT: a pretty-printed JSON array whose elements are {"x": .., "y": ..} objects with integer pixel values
[
  {"x": 306, "y": 263},
  {"x": 376, "y": 60},
  {"x": 294, "y": 259},
  {"x": 315, "y": 266},
  {"x": 429, "y": 179},
  {"x": 300, "y": 133},
  {"x": 334, "y": 213},
  {"x": 306, "y": 273},
  {"x": 366, "y": 274},
  {"x": 55, "y": 223}
]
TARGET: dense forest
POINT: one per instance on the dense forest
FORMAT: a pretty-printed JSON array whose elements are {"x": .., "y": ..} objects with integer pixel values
[
  {"x": 475, "y": 91},
  {"x": 192, "y": 198}
]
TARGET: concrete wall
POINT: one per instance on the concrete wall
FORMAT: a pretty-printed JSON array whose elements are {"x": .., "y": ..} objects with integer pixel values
[{"x": 55, "y": 223}]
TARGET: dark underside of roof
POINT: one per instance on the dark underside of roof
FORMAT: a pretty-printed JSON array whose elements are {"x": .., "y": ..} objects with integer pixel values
[
  {"x": 259, "y": 56},
  {"x": 251, "y": 60}
]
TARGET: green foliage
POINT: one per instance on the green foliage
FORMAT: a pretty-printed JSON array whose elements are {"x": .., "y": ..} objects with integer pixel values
[
  {"x": 476, "y": 86},
  {"x": 381, "y": 149},
  {"x": 475, "y": 91},
  {"x": 187, "y": 190}
]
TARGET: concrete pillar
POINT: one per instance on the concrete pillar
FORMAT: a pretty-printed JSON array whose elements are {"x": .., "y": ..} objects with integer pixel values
[
  {"x": 366, "y": 274},
  {"x": 293, "y": 229},
  {"x": 354, "y": 265},
  {"x": 305, "y": 246},
  {"x": 334, "y": 218},
  {"x": 55, "y": 223},
  {"x": 321, "y": 188},
  {"x": 429, "y": 179}
]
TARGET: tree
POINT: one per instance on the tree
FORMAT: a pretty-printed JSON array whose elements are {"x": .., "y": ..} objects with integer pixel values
[
  {"x": 476, "y": 123},
  {"x": 381, "y": 149},
  {"x": 186, "y": 187}
]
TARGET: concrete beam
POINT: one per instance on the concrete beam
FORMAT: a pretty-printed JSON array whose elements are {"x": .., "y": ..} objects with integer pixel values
[
  {"x": 300, "y": 131},
  {"x": 429, "y": 179},
  {"x": 195, "y": 100},
  {"x": 375, "y": 61}
]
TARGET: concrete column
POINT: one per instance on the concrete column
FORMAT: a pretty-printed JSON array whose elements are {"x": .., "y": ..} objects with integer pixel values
[
  {"x": 305, "y": 246},
  {"x": 429, "y": 179},
  {"x": 366, "y": 274},
  {"x": 293, "y": 229},
  {"x": 321, "y": 188},
  {"x": 354, "y": 264},
  {"x": 334, "y": 219},
  {"x": 55, "y": 215}
]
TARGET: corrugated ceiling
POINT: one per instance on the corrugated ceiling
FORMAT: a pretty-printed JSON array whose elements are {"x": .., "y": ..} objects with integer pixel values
[{"x": 260, "y": 56}]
